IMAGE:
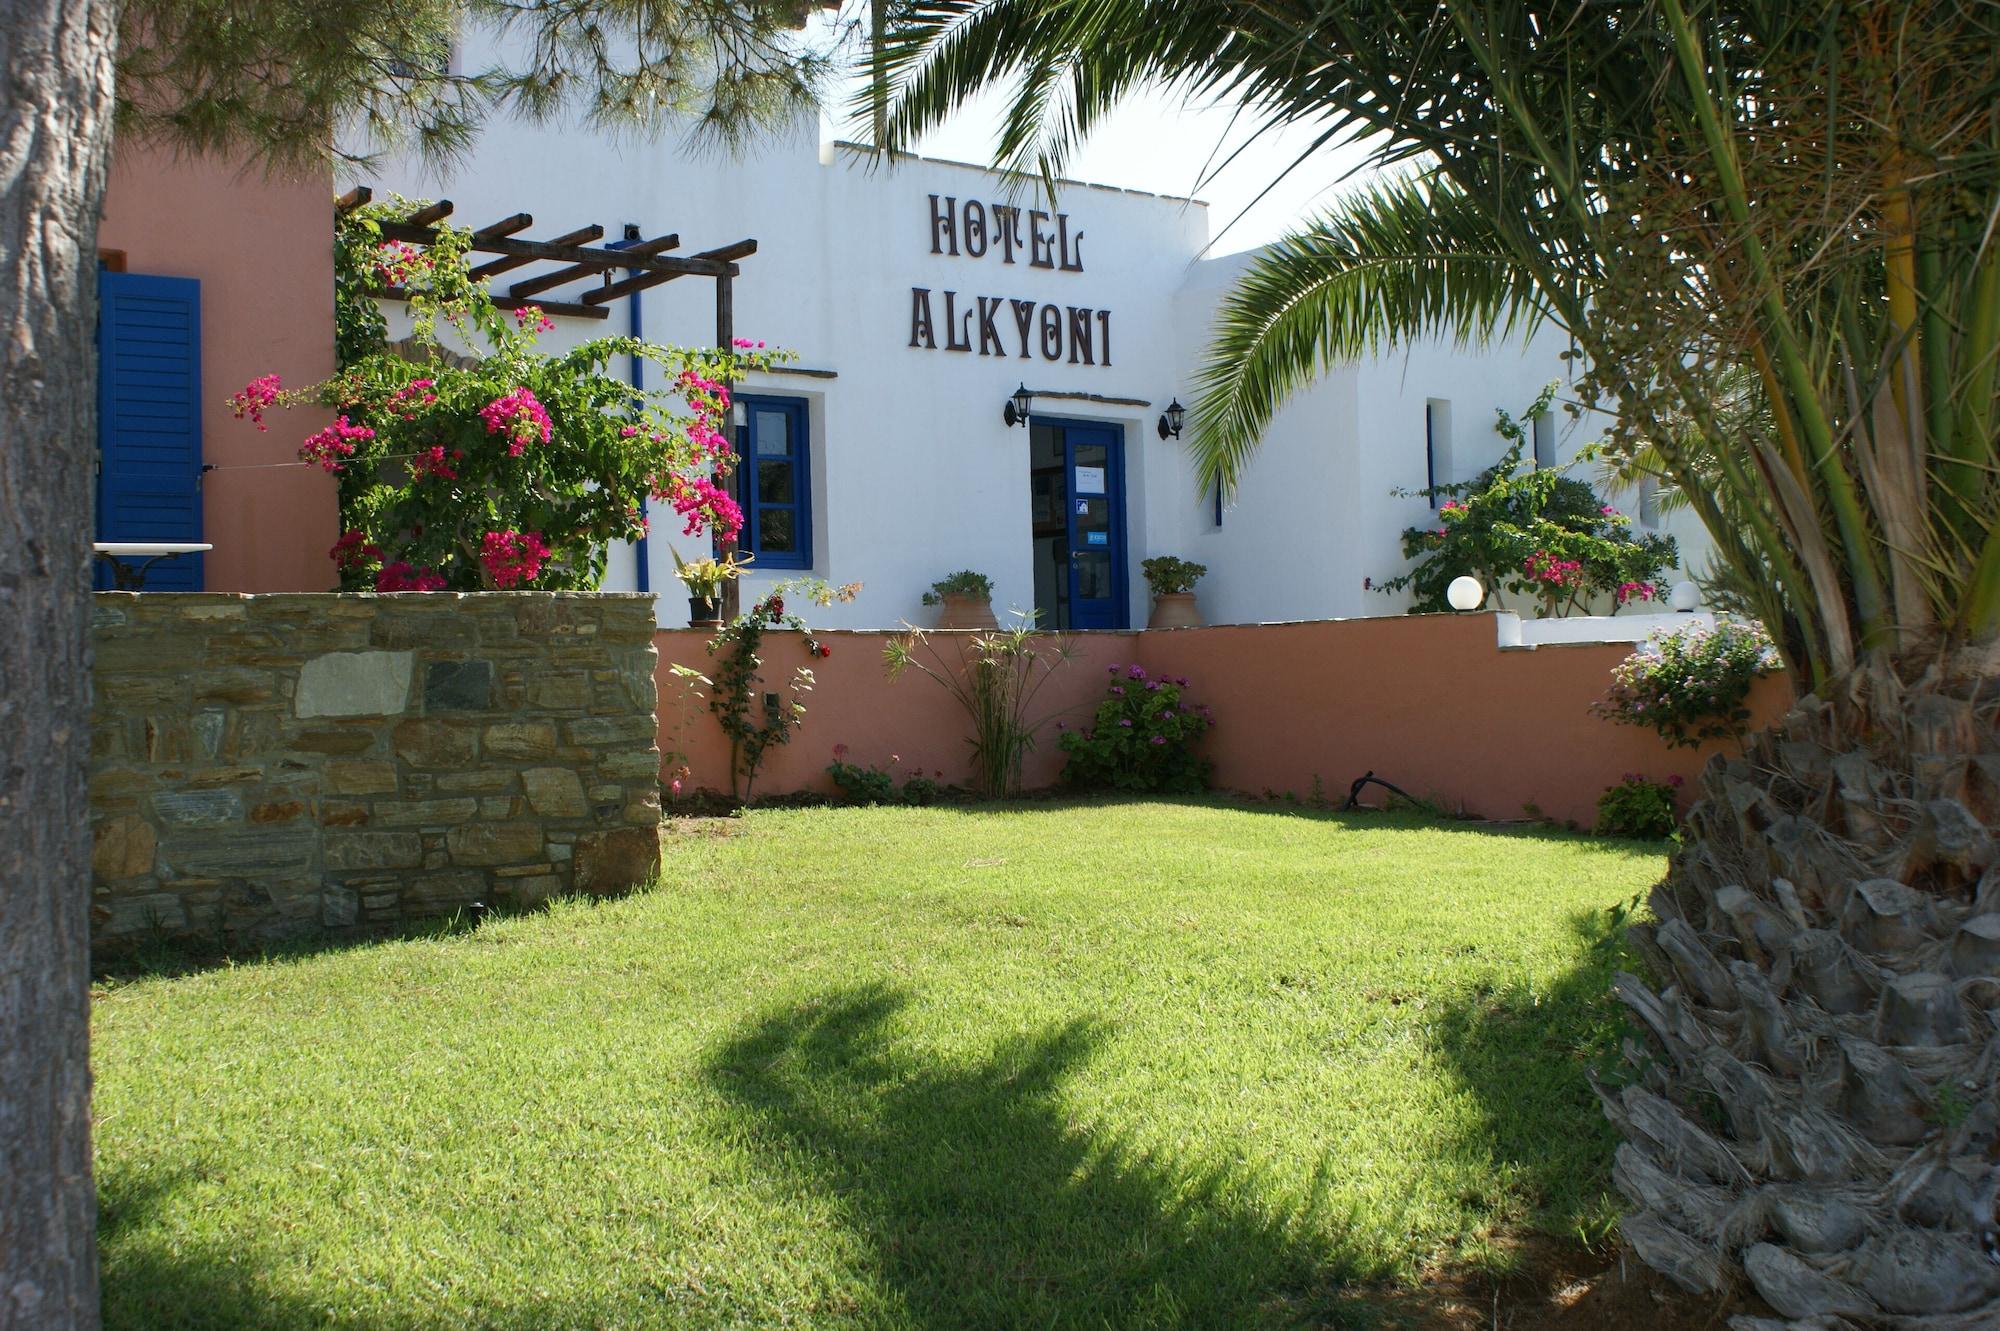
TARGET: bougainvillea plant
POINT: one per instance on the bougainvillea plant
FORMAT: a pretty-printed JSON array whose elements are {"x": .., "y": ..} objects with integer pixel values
[
  {"x": 511, "y": 470},
  {"x": 1690, "y": 684},
  {"x": 1532, "y": 532}
]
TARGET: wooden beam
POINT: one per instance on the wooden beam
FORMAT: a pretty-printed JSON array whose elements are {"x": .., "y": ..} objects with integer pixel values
[
  {"x": 546, "y": 281},
  {"x": 424, "y": 216},
  {"x": 581, "y": 236},
  {"x": 509, "y": 303},
  {"x": 640, "y": 281},
  {"x": 353, "y": 199},
  {"x": 507, "y": 226},
  {"x": 579, "y": 255}
]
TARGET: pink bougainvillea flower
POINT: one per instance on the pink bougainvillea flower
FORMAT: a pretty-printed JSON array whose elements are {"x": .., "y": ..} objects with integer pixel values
[
  {"x": 401, "y": 577},
  {"x": 250, "y": 401},
  {"x": 327, "y": 448},
  {"x": 513, "y": 557},
  {"x": 526, "y": 315},
  {"x": 354, "y": 550},
  {"x": 518, "y": 416},
  {"x": 434, "y": 464}
]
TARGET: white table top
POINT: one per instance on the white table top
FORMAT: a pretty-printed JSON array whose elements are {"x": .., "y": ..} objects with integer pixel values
[{"x": 137, "y": 548}]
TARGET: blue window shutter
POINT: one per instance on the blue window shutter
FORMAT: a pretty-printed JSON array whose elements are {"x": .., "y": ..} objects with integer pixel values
[{"x": 149, "y": 419}]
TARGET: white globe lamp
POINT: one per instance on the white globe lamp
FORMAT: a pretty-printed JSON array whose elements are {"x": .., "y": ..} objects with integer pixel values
[
  {"x": 1464, "y": 593},
  {"x": 1686, "y": 597}
]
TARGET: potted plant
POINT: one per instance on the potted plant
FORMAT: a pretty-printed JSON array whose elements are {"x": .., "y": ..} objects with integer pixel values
[
  {"x": 967, "y": 598},
  {"x": 1172, "y": 580},
  {"x": 703, "y": 579}
]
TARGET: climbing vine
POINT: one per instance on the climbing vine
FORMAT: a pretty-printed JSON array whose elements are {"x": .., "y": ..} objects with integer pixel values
[{"x": 737, "y": 677}]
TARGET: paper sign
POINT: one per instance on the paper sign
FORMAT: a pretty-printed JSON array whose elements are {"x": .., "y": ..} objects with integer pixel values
[
  {"x": 1090, "y": 480},
  {"x": 1097, "y": 538}
]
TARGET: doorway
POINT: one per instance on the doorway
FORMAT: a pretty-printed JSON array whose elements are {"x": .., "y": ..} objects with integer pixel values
[{"x": 1076, "y": 475}]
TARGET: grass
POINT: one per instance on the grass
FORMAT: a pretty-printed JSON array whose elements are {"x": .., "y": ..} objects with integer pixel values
[{"x": 1122, "y": 1064}]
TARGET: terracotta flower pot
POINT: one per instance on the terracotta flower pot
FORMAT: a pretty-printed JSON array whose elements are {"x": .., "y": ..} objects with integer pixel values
[
  {"x": 964, "y": 611},
  {"x": 1175, "y": 610}
]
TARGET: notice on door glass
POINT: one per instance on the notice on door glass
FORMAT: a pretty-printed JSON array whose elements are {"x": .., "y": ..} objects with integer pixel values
[
  {"x": 1097, "y": 538},
  {"x": 1090, "y": 480}
]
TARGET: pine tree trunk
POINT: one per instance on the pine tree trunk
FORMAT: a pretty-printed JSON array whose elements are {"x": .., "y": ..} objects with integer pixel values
[
  {"x": 55, "y": 127},
  {"x": 1815, "y": 1109}
]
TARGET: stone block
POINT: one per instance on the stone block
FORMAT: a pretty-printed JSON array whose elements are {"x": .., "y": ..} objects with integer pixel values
[
  {"x": 441, "y": 893},
  {"x": 566, "y": 691},
  {"x": 354, "y": 684},
  {"x": 617, "y": 860},
  {"x": 555, "y": 792},
  {"x": 436, "y": 743},
  {"x": 270, "y": 853},
  {"x": 276, "y": 811},
  {"x": 119, "y": 782},
  {"x": 145, "y": 913},
  {"x": 495, "y": 843},
  {"x": 236, "y": 685},
  {"x": 341, "y": 813},
  {"x": 373, "y": 850},
  {"x": 203, "y": 778},
  {"x": 122, "y": 848},
  {"x": 631, "y": 764},
  {"x": 338, "y": 907},
  {"x": 458, "y": 686},
  {"x": 429, "y": 813},
  {"x": 478, "y": 781},
  {"x": 604, "y": 731},
  {"x": 345, "y": 741},
  {"x": 532, "y": 890},
  {"x": 361, "y": 778},
  {"x": 198, "y": 808},
  {"x": 523, "y": 740},
  {"x": 498, "y": 808}
]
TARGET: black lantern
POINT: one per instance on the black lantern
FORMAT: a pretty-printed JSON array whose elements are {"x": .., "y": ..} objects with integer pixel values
[
  {"x": 1171, "y": 420},
  {"x": 1016, "y": 410}
]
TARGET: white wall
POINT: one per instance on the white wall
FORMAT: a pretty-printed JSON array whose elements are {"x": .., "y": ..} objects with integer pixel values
[{"x": 915, "y": 475}]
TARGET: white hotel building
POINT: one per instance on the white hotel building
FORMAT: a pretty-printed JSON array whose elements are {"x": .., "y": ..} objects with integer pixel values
[{"x": 917, "y": 296}]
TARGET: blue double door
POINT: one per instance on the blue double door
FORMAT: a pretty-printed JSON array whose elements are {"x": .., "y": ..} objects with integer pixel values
[{"x": 1078, "y": 476}]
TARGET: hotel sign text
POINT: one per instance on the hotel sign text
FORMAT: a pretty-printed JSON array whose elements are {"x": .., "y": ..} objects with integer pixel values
[{"x": 1077, "y": 334}]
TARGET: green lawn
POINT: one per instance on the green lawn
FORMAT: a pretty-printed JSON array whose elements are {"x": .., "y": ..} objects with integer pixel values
[{"x": 1121, "y": 1064}]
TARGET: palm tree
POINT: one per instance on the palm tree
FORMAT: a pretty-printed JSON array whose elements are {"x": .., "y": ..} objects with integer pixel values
[{"x": 1803, "y": 191}]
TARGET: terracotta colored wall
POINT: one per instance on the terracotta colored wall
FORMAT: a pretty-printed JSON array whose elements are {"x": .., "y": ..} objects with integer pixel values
[
  {"x": 1428, "y": 702},
  {"x": 263, "y": 250}
]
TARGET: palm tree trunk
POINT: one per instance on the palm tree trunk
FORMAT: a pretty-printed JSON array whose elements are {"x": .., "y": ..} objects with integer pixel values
[
  {"x": 1816, "y": 1109},
  {"x": 54, "y": 153}
]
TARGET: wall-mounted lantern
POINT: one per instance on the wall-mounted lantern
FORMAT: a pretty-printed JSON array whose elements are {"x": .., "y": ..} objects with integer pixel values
[
  {"x": 1172, "y": 419},
  {"x": 1018, "y": 406}
]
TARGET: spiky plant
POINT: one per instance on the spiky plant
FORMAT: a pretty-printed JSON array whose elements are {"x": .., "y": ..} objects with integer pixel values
[{"x": 1806, "y": 192}]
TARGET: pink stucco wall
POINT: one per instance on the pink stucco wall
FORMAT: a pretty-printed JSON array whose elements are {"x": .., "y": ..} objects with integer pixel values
[
  {"x": 1429, "y": 702},
  {"x": 262, "y": 248}
]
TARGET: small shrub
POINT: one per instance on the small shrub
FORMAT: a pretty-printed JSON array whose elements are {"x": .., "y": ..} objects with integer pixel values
[
  {"x": 962, "y": 583},
  {"x": 1169, "y": 575},
  {"x": 1141, "y": 739},
  {"x": 1638, "y": 808},
  {"x": 1689, "y": 685},
  {"x": 862, "y": 785}
]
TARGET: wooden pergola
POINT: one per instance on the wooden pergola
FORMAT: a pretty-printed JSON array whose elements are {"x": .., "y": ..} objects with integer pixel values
[
  {"x": 611, "y": 273},
  {"x": 606, "y": 274}
]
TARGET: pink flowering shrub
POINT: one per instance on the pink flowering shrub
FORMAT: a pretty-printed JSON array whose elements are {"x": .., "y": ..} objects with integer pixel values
[
  {"x": 1690, "y": 685},
  {"x": 515, "y": 470}
]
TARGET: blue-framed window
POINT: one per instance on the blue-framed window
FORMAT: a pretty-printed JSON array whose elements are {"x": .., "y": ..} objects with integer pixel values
[{"x": 774, "y": 452}]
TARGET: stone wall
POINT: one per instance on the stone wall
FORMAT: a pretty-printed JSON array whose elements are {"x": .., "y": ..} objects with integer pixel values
[{"x": 288, "y": 765}]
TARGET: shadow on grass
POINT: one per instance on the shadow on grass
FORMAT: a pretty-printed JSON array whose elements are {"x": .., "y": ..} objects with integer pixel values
[
  {"x": 982, "y": 1205},
  {"x": 1525, "y": 1052}
]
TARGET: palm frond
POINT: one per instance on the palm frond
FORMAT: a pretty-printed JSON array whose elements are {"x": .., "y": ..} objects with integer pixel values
[{"x": 1399, "y": 260}]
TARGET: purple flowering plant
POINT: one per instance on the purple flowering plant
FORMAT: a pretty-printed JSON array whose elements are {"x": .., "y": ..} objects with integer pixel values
[
  {"x": 1690, "y": 685},
  {"x": 1141, "y": 737}
]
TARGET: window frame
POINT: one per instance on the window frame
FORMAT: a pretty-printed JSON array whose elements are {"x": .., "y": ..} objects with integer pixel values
[{"x": 751, "y": 539}]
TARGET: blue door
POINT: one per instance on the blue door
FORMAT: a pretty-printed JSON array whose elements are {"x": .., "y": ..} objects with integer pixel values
[
  {"x": 149, "y": 419},
  {"x": 1094, "y": 460}
]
